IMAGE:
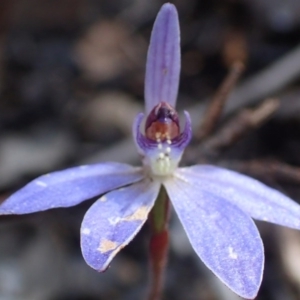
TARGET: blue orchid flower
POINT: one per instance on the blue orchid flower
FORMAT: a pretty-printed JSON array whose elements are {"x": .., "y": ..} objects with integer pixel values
[{"x": 214, "y": 205}]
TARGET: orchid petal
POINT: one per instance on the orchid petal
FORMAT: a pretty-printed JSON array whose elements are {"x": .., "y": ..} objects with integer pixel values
[
  {"x": 163, "y": 59},
  {"x": 258, "y": 200},
  {"x": 69, "y": 187},
  {"x": 114, "y": 220},
  {"x": 185, "y": 137},
  {"x": 138, "y": 137},
  {"x": 223, "y": 236}
]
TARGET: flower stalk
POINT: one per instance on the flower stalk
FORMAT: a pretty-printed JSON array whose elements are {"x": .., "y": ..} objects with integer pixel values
[{"x": 159, "y": 244}]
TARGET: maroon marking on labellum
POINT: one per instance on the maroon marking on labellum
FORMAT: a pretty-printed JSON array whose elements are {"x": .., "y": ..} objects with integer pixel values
[{"x": 162, "y": 123}]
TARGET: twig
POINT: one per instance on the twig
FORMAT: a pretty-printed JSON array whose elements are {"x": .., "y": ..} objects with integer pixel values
[
  {"x": 266, "y": 169},
  {"x": 218, "y": 101},
  {"x": 270, "y": 80},
  {"x": 246, "y": 120}
]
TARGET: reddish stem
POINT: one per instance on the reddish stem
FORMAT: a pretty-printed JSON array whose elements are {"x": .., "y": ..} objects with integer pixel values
[{"x": 159, "y": 244}]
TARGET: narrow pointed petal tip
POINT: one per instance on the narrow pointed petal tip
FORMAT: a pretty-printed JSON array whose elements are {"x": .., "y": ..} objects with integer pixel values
[
  {"x": 224, "y": 237},
  {"x": 69, "y": 187},
  {"x": 113, "y": 221},
  {"x": 163, "y": 59}
]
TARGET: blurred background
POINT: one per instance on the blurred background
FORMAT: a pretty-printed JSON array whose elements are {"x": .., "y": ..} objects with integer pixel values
[{"x": 71, "y": 82}]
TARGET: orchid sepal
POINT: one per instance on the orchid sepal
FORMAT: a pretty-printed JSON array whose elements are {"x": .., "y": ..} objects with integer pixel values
[
  {"x": 163, "y": 59},
  {"x": 225, "y": 238},
  {"x": 70, "y": 187},
  {"x": 113, "y": 221},
  {"x": 258, "y": 200}
]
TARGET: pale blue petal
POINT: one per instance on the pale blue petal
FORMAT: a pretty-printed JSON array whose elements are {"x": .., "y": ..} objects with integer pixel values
[
  {"x": 223, "y": 236},
  {"x": 69, "y": 187},
  {"x": 163, "y": 59},
  {"x": 138, "y": 137},
  {"x": 114, "y": 220},
  {"x": 255, "y": 198}
]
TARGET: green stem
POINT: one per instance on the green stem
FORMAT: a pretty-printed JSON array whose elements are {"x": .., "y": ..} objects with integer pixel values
[{"x": 159, "y": 244}]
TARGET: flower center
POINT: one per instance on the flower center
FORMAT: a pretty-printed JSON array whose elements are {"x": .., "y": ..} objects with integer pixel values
[
  {"x": 162, "y": 126},
  {"x": 162, "y": 123}
]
